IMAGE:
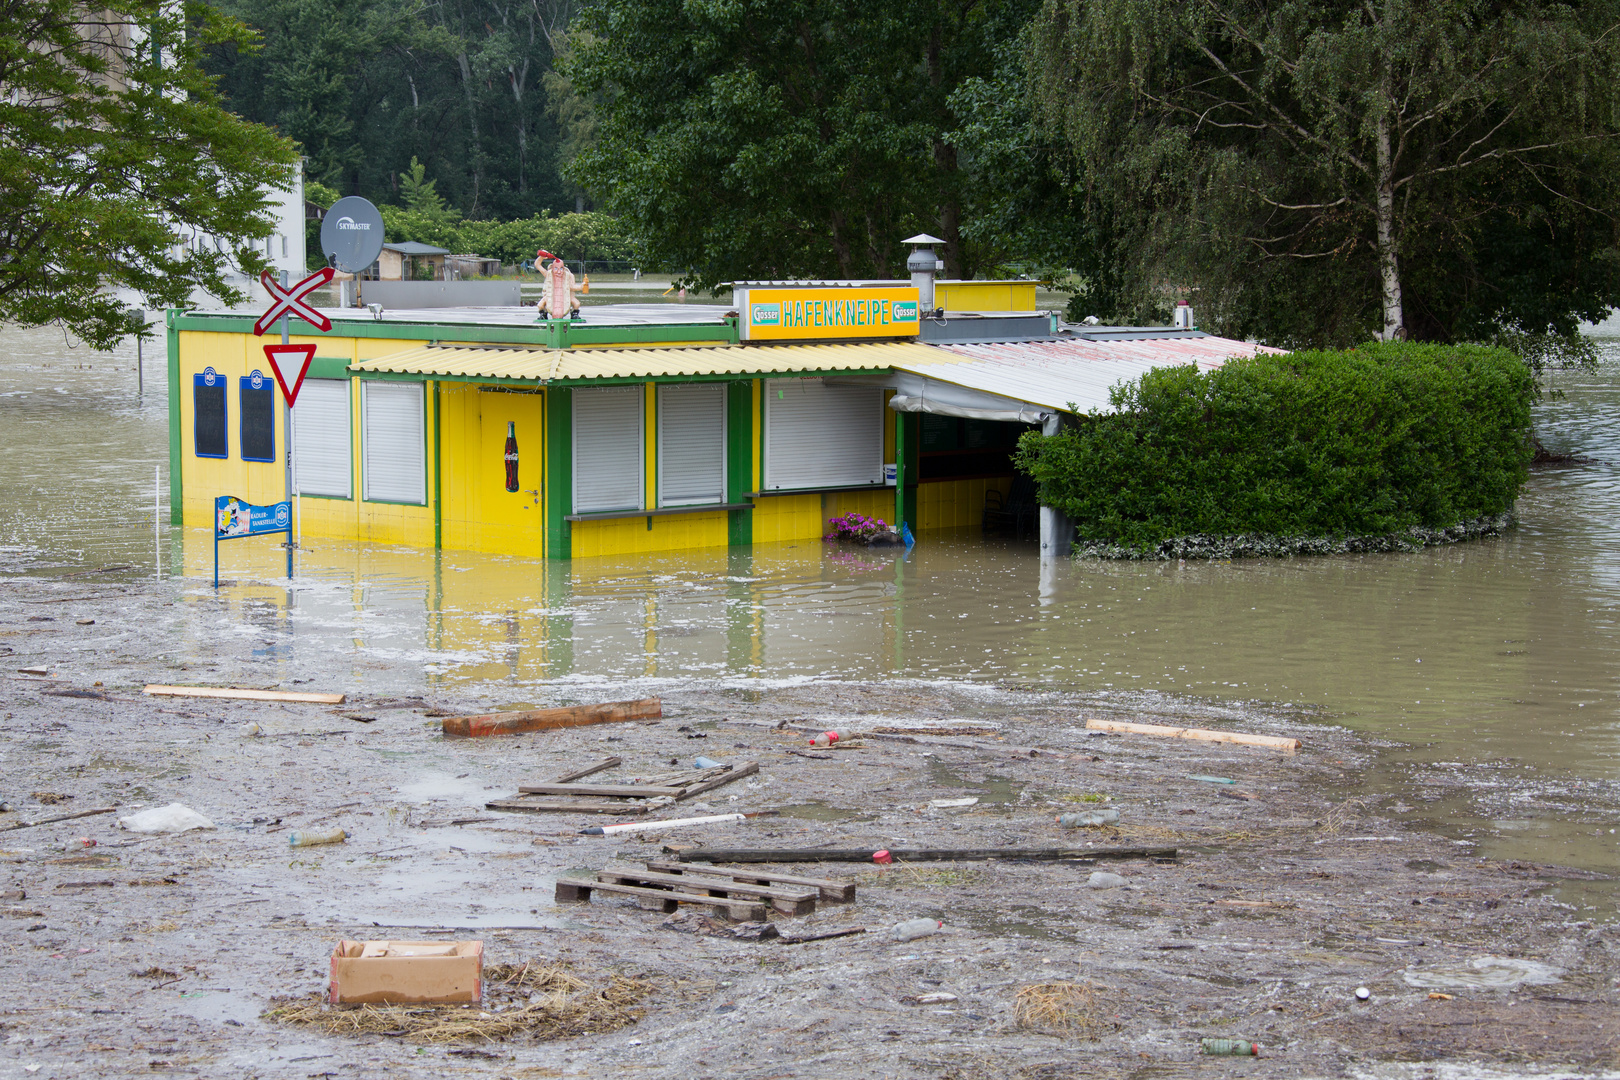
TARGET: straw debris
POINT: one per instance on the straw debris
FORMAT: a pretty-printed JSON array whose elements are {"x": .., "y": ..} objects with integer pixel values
[
  {"x": 534, "y": 1000},
  {"x": 1059, "y": 1008}
]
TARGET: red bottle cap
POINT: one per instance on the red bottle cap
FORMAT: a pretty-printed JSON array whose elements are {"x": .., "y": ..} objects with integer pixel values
[{"x": 883, "y": 858}]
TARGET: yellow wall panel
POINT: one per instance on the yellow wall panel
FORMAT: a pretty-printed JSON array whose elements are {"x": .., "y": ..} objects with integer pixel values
[
  {"x": 630, "y": 535},
  {"x": 787, "y": 517},
  {"x": 369, "y": 348},
  {"x": 985, "y": 295},
  {"x": 956, "y": 504},
  {"x": 877, "y": 504},
  {"x": 232, "y": 356}
]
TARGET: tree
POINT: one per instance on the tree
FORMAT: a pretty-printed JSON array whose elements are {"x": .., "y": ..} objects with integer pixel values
[
  {"x": 1322, "y": 169},
  {"x": 365, "y": 85},
  {"x": 118, "y": 162},
  {"x": 784, "y": 139}
]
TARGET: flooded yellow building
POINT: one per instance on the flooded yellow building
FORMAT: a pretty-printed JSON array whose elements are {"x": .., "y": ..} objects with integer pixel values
[{"x": 645, "y": 427}]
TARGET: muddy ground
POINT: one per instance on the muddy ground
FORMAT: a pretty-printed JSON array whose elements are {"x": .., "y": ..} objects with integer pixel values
[{"x": 160, "y": 957}]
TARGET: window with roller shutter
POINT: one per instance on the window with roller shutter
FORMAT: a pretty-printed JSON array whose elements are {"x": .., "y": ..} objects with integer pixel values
[
  {"x": 392, "y": 442},
  {"x": 691, "y": 444},
  {"x": 608, "y": 449},
  {"x": 821, "y": 436},
  {"x": 322, "y": 458}
]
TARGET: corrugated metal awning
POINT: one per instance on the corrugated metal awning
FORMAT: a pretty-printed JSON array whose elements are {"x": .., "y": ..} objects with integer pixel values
[
  {"x": 1069, "y": 372},
  {"x": 561, "y": 365}
]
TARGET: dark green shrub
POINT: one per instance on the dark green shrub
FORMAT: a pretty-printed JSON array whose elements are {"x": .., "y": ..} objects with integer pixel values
[{"x": 1364, "y": 442}]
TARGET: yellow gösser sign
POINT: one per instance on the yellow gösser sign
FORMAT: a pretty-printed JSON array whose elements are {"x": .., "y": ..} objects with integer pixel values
[{"x": 836, "y": 313}]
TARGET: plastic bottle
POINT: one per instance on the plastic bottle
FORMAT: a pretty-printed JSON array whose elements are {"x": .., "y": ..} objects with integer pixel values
[
  {"x": 912, "y": 929},
  {"x": 79, "y": 844},
  {"x": 312, "y": 837},
  {"x": 707, "y": 763},
  {"x": 1088, "y": 818},
  {"x": 1230, "y": 1048},
  {"x": 827, "y": 738}
]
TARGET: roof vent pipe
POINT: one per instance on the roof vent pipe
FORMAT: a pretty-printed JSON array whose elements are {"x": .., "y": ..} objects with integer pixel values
[
  {"x": 922, "y": 265},
  {"x": 1184, "y": 319}
]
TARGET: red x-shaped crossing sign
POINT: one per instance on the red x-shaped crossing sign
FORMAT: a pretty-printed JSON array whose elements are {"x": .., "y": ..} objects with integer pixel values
[{"x": 291, "y": 301}]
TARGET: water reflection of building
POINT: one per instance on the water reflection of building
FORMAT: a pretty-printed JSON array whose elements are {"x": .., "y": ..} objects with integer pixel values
[{"x": 655, "y": 427}]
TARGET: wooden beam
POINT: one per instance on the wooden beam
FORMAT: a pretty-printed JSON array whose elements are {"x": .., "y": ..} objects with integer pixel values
[
  {"x": 900, "y": 855},
  {"x": 1271, "y": 742},
  {"x": 59, "y": 817},
  {"x": 612, "y": 791},
  {"x": 543, "y": 806},
  {"x": 245, "y": 695},
  {"x": 511, "y": 723},
  {"x": 746, "y": 769},
  {"x": 589, "y": 770}
]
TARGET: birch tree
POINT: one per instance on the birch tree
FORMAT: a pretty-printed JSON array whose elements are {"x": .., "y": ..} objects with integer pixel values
[{"x": 1348, "y": 143}]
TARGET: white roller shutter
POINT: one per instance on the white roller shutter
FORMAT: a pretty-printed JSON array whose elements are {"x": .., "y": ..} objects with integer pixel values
[
  {"x": 691, "y": 444},
  {"x": 608, "y": 463},
  {"x": 392, "y": 442},
  {"x": 820, "y": 436},
  {"x": 321, "y": 454}
]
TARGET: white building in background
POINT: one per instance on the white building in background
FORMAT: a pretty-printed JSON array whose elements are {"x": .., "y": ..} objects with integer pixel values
[{"x": 283, "y": 249}]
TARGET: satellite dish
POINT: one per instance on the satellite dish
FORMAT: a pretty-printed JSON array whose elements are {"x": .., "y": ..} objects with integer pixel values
[{"x": 352, "y": 234}]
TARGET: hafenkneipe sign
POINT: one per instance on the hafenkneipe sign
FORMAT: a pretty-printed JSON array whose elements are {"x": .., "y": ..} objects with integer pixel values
[{"x": 826, "y": 312}]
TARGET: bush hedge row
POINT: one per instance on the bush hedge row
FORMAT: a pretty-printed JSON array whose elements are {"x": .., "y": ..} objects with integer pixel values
[{"x": 1364, "y": 442}]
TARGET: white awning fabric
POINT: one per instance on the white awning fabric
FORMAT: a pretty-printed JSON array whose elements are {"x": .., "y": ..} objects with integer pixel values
[{"x": 921, "y": 394}]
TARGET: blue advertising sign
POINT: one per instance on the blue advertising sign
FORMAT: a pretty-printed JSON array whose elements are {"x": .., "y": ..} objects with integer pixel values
[{"x": 234, "y": 518}]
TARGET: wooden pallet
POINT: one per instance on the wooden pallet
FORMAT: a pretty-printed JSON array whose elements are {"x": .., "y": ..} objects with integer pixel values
[
  {"x": 788, "y": 899},
  {"x": 829, "y": 888},
  {"x": 570, "y": 796},
  {"x": 578, "y": 891}
]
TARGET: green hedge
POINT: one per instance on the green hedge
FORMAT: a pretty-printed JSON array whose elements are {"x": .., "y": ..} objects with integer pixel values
[
  {"x": 1364, "y": 442},
  {"x": 590, "y": 235}
]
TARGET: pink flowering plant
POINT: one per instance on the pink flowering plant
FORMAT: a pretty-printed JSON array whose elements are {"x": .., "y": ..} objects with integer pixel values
[{"x": 857, "y": 527}]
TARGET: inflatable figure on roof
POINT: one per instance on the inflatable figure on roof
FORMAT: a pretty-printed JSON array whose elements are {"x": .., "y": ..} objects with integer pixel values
[{"x": 557, "y": 299}]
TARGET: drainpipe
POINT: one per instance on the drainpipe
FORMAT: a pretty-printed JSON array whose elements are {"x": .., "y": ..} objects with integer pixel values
[{"x": 1057, "y": 531}]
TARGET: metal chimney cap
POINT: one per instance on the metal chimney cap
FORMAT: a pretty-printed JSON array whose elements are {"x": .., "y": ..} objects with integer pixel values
[{"x": 923, "y": 238}]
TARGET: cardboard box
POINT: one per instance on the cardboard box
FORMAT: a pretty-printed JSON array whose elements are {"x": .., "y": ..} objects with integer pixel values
[{"x": 407, "y": 972}]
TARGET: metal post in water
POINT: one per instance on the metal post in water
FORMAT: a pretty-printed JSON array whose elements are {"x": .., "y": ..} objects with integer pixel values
[
  {"x": 157, "y": 520},
  {"x": 286, "y": 417},
  {"x": 140, "y": 369}
]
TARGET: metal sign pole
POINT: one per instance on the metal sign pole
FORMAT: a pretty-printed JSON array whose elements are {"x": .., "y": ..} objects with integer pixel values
[{"x": 286, "y": 416}]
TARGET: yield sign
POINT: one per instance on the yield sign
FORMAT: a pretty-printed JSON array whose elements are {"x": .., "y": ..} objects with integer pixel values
[
  {"x": 291, "y": 301},
  {"x": 289, "y": 360}
]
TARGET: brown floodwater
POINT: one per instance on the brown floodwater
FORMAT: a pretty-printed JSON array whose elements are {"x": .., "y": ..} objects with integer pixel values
[{"x": 1492, "y": 669}]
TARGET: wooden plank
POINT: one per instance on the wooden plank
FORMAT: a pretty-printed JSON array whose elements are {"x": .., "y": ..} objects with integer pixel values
[
  {"x": 797, "y": 855},
  {"x": 746, "y": 769},
  {"x": 511, "y": 723},
  {"x": 544, "y": 806},
  {"x": 830, "y": 888},
  {"x": 612, "y": 791},
  {"x": 59, "y": 817},
  {"x": 574, "y": 890},
  {"x": 589, "y": 770},
  {"x": 244, "y": 695},
  {"x": 1271, "y": 742},
  {"x": 789, "y": 900}
]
